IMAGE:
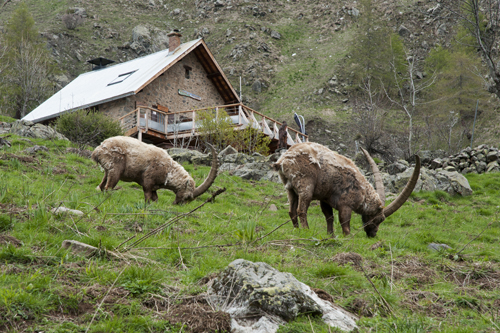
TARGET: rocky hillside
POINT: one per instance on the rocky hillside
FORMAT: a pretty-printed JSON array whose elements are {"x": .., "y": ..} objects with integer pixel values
[{"x": 289, "y": 54}]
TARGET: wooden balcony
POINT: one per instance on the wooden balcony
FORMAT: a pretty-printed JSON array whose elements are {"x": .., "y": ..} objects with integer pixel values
[{"x": 166, "y": 128}]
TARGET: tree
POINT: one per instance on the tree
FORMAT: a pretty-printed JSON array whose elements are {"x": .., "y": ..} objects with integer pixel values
[
  {"x": 408, "y": 82},
  {"x": 371, "y": 48},
  {"x": 27, "y": 65},
  {"x": 481, "y": 18}
]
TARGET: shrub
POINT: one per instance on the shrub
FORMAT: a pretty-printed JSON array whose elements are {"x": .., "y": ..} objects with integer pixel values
[
  {"x": 219, "y": 131},
  {"x": 87, "y": 127}
]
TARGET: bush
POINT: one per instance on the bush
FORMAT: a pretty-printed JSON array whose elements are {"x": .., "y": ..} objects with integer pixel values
[
  {"x": 221, "y": 132},
  {"x": 87, "y": 127}
]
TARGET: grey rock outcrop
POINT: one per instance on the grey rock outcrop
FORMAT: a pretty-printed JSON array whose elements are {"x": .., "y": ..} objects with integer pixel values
[
  {"x": 451, "y": 182},
  {"x": 477, "y": 160},
  {"x": 181, "y": 155},
  {"x": 31, "y": 130},
  {"x": 266, "y": 298},
  {"x": 5, "y": 127}
]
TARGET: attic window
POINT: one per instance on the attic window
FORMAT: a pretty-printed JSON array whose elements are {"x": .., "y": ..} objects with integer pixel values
[
  {"x": 187, "y": 72},
  {"x": 121, "y": 77}
]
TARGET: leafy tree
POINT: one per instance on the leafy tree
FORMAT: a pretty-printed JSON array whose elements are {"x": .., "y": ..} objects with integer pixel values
[
  {"x": 215, "y": 128},
  {"x": 27, "y": 65},
  {"x": 218, "y": 129},
  {"x": 87, "y": 127}
]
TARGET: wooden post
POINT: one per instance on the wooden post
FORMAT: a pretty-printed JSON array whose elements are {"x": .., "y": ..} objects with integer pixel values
[
  {"x": 239, "y": 114},
  {"x": 166, "y": 124},
  {"x": 216, "y": 113},
  {"x": 147, "y": 116},
  {"x": 194, "y": 121}
]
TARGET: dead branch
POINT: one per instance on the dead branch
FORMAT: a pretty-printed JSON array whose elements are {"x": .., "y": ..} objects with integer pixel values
[{"x": 173, "y": 220}]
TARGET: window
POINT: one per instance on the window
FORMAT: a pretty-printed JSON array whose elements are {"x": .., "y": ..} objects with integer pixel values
[
  {"x": 121, "y": 77},
  {"x": 187, "y": 72}
]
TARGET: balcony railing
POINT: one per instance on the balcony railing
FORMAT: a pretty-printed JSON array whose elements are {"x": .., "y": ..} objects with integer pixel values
[{"x": 183, "y": 124}]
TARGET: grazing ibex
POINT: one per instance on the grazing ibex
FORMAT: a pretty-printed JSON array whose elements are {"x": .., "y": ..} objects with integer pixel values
[
  {"x": 130, "y": 160},
  {"x": 311, "y": 171}
]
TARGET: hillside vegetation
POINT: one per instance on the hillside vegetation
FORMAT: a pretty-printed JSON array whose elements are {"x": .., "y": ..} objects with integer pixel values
[
  {"x": 46, "y": 288},
  {"x": 312, "y": 57}
]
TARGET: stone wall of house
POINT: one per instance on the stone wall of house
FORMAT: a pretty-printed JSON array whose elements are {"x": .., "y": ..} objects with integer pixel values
[{"x": 164, "y": 90}]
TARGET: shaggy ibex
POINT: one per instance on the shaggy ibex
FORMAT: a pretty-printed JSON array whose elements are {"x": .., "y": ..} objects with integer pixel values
[
  {"x": 311, "y": 171},
  {"x": 130, "y": 160}
]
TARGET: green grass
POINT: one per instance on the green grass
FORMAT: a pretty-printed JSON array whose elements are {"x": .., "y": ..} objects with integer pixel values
[{"x": 452, "y": 290}]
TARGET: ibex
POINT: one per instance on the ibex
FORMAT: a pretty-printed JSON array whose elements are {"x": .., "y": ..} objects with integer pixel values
[
  {"x": 311, "y": 171},
  {"x": 130, "y": 160}
]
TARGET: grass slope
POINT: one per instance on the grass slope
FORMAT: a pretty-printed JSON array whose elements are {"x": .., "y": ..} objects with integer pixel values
[{"x": 45, "y": 288}]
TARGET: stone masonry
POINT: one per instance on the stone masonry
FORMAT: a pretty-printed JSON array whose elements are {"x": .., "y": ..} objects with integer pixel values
[{"x": 164, "y": 90}]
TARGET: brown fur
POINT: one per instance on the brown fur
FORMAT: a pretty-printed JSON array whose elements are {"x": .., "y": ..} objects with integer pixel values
[
  {"x": 311, "y": 171},
  {"x": 130, "y": 160}
]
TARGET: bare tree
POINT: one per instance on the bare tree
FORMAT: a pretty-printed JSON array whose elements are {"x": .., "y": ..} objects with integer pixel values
[
  {"x": 481, "y": 18},
  {"x": 409, "y": 86},
  {"x": 30, "y": 70}
]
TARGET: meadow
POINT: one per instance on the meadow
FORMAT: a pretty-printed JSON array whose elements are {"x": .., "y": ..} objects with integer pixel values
[{"x": 393, "y": 282}]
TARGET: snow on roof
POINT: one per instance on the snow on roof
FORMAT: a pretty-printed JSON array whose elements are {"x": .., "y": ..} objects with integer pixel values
[{"x": 107, "y": 84}]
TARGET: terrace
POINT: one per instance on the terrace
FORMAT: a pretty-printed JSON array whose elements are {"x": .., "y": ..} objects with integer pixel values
[{"x": 167, "y": 128}]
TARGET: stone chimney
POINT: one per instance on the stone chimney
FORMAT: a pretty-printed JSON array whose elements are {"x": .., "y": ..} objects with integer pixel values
[{"x": 174, "y": 40}]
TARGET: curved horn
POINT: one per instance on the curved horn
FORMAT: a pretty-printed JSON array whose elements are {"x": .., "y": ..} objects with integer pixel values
[
  {"x": 379, "y": 184},
  {"x": 211, "y": 176},
  {"x": 401, "y": 199}
]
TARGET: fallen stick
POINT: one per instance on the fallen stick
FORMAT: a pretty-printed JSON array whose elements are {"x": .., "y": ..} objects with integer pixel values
[{"x": 173, "y": 220}]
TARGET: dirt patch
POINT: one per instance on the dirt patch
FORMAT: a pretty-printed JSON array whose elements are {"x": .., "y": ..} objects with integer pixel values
[
  {"x": 348, "y": 258},
  {"x": 323, "y": 295},
  {"x": 361, "y": 307},
  {"x": 484, "y": 276},
  {"x": 412, "y": 268},
  {"x": 24, "y": 159},
  {"x": 6, "y": 239},
  {"x": 115, "y": 295},
  {"x": 198, "y": 317}
]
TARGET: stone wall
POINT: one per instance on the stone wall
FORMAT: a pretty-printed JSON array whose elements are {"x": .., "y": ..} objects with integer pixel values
[{"x": 164, "y": 90}]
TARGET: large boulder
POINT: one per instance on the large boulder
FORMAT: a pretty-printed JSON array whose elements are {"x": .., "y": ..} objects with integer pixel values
[
  {"x": 181, "y": 155},
  {"x": 31, "y": 130},
  {"x": 257, "y": 297}
]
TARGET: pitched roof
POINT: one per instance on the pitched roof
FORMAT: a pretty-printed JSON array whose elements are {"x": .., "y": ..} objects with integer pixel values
[{"x": 128, "y": 78}]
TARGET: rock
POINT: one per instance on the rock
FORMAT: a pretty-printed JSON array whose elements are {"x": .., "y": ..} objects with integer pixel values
[
  {"x": 450, "y": 168},
  {"x": 227, "y": 151},
  {"x": 5, "y": 127},
  {"x": 436, "y": 163},
  {"x": 492, "y": 156},
  {"x": 441, "y": 30},
  {"x": 249, "y": 174},
  {"x": 493, "y": 167},
  {"x": 181, "y": 155},
  {"x": 79, "y": 11},
  {"x": 273, "y": 208},
  {"x": 437, "y": 247},
  {"x": 264, "y": 296},
  {"x": 4, "y": 142},
  {"x": 275, "y": 34},
  {"x": 396, "y": 168},
  {"x": 79, "y": 247},
  {"x": 64, "y": 210},
  {"x": 35, "y": 149},
  {"x": 458, "y": 184},
  {"x": 29, "y": 129},
  {"x": 257, "y": 86},
  {"x": 403, "y": 31},
  {"x": 238, "y": 158}
]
